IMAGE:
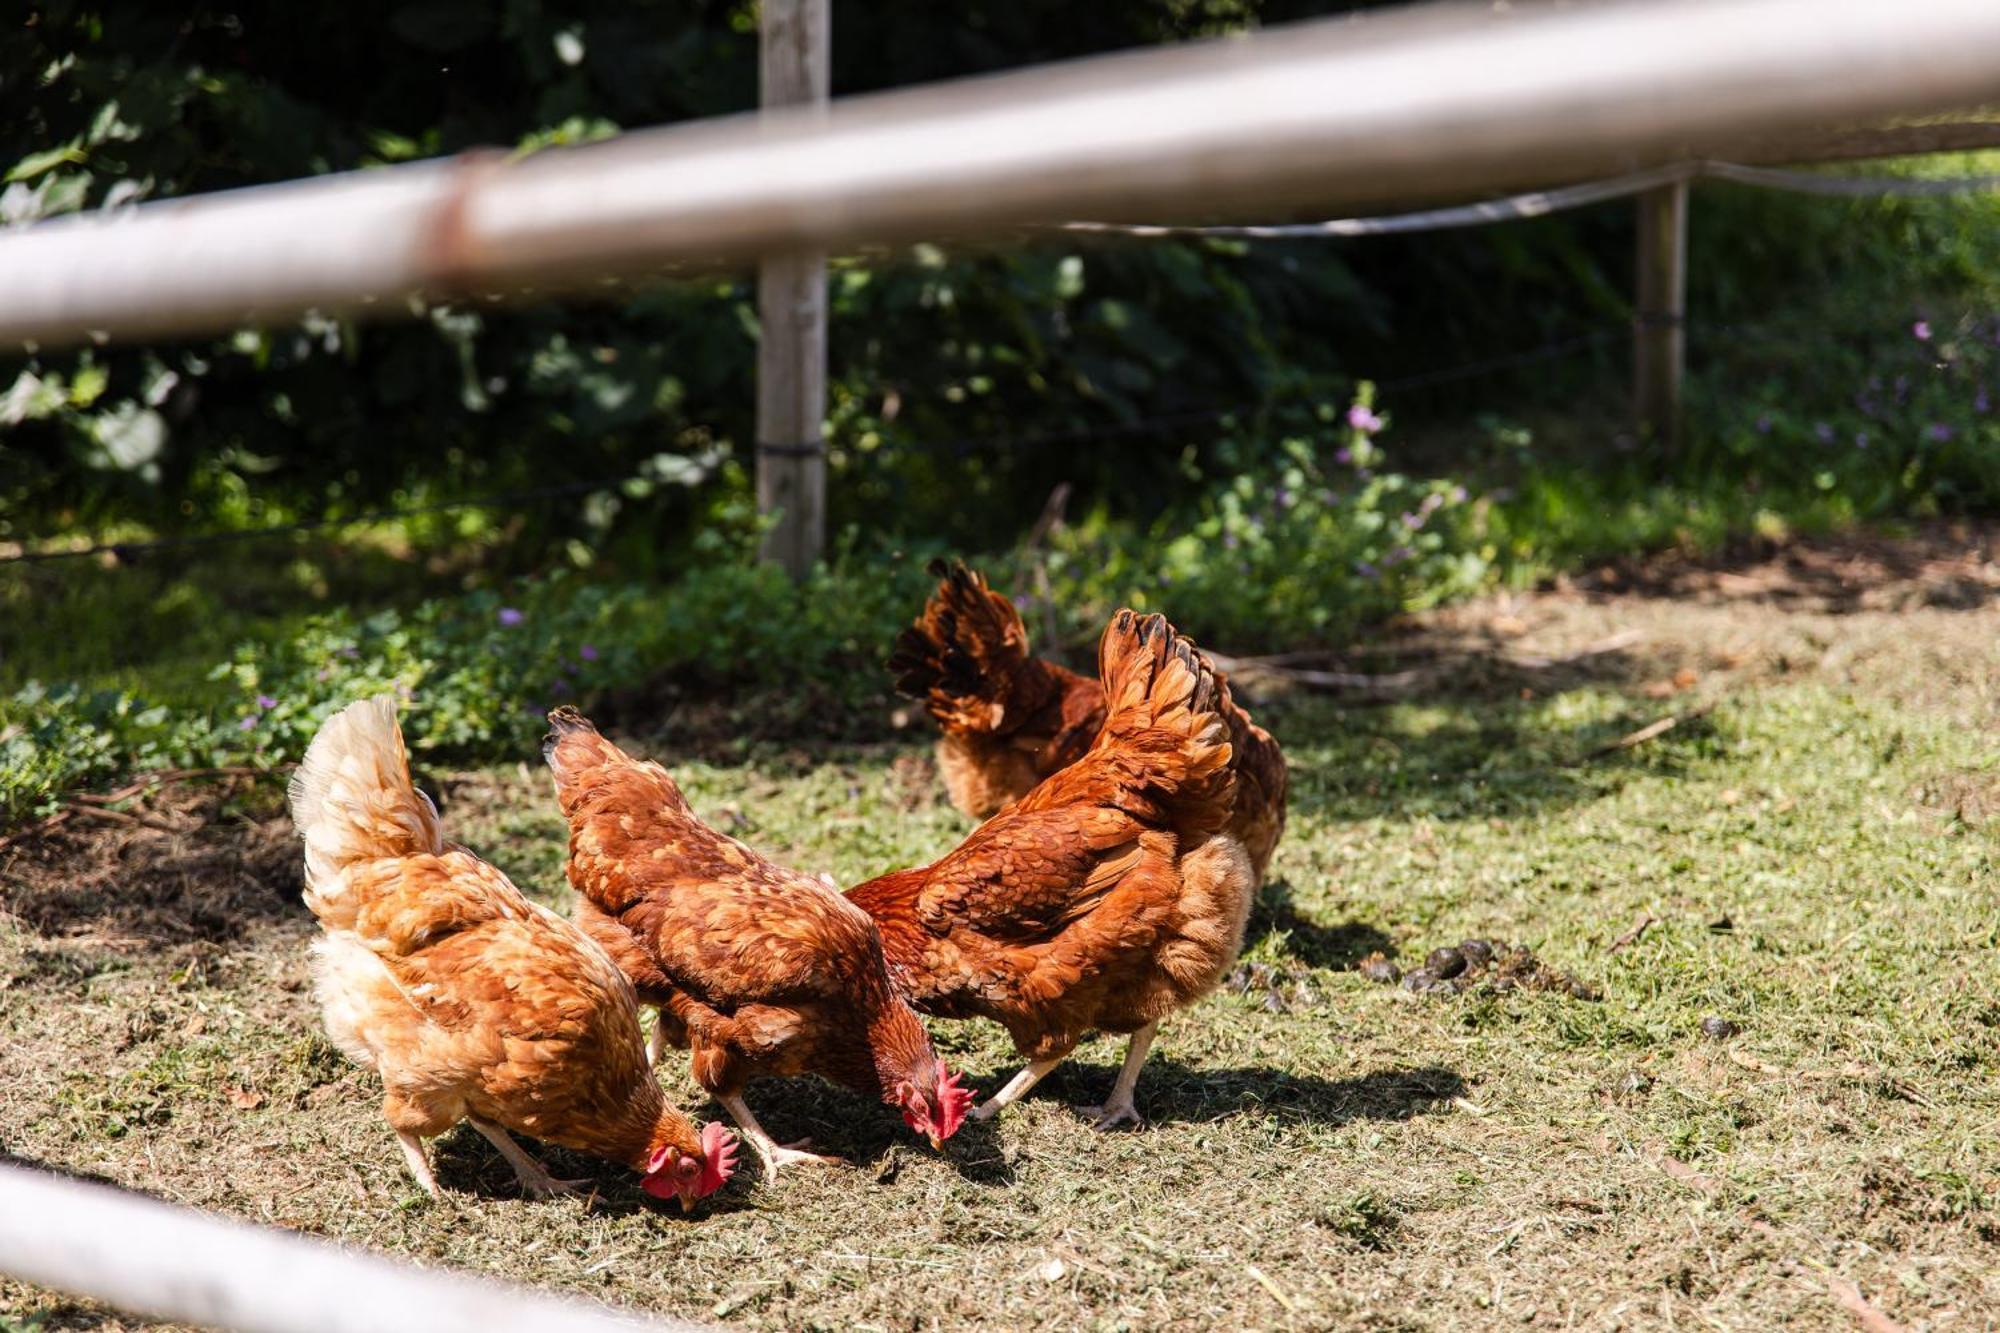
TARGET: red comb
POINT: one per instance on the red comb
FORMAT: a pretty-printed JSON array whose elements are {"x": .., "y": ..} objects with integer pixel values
[
  {"x": 953, "y": 1102},
  {"x": 718, "y": 1156}
]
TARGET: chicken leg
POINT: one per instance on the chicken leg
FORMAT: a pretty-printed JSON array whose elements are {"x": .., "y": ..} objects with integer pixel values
[
  {"x": 420, "y": 1167},
  {"x": 1017, "y": 1088},
  {"x": 656, "y": 1040},
  {"x": 774, "y": 1154},
  {"x": 535, "y": 1181},
  {"x": 1118, "y": 1108}
]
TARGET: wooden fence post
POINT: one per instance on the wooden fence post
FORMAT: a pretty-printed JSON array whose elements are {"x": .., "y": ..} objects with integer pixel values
[
  {"x": 794, "y": 60},
  {"x": 1659, "y": 338}
]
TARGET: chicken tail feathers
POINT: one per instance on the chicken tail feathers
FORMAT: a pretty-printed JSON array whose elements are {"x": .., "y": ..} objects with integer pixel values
[
  {"x": 352, "y": 798},
  {"x": 1164, "y": 705},
  {"x": 966, "y": 657}
]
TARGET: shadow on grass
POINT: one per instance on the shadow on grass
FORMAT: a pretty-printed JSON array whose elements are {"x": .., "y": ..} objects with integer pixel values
[
  {"x": 1336, "y": 947},
  {"x": 1463, "y": 759},
  {"x": 867, "y": 1134},
  {"x": 1171, "y": 1091}
]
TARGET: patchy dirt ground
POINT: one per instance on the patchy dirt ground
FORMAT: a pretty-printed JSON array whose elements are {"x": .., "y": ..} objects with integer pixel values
[{"x": 1783, "y": 1112}]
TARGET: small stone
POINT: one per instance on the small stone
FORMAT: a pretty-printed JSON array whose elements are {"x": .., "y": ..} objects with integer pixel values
[
  {"x": 1379, "y": 970},
  {"x": 1580, "y": 988},
  {"x": 1275, "y": 1003},
  {"x": 1420, "y": 981},
  {"x": 1446, "y": 962},
  {"x": 1718, "y": 1029},
  {"x": 1477, "y": 953}
]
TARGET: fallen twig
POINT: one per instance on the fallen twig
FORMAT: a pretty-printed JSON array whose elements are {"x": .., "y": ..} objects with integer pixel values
[
  {"x": 1633, "y": 935},
  {"x": 1277, "y": 1293},
  {"x": 1393, "y": 682},
  {"x": 61, "y": 816},
  {"x": 127, "y": 817},
  {"x": 1624, "y": 638},
  {"x": 161, "y": 779},
  {"x": 1651, "y": 731},
  {"x": 94, "y": 805}
]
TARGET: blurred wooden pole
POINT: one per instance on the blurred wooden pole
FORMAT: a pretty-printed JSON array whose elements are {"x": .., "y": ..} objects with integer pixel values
[
  {"x": 795, "y": 55},
  {"x": 1659, "y": 339}
]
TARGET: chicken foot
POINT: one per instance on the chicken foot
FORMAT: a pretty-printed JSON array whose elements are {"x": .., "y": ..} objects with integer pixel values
[
  {"x": 774, "y": 1154},
  {"x": 420, "y": 1166},
  {"x": 535, "y": 1181},
  {"x": 1118, "y": 1108},
  {"x": 1017, "y": 1088}
]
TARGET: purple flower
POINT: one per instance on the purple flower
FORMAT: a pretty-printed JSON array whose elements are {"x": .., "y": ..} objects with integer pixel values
[
  {"x": 558, "y": 688},
  {"x": 1763, "y": 423},
  {"x": 1366, "y": 570},
  {"x": 1458, "y": 495},
  {"x": 1860, "y": 439},
  {"x": 248, "y": 723},
  {"x": 1823, "y": 432},
  {"x": 510, "y": 617},
  {"x": 1229, "y": 540},
  {"x": 1284, "y": 497},
  {"x": 1343, "y": 456},
  {"x": 1980, "y": 402},
  {"x": 349, "y": 650},
  {"x": 1921, "y": 330},
  {"x": 1359, "y": 417},
  {"x": 1939, "y": 431},
  {"x": 588, "y": 652},
  {"x": 266, "y": 702},
  {"x": 1412, "y": 520},
  {"x": 1398, "y": 556}
]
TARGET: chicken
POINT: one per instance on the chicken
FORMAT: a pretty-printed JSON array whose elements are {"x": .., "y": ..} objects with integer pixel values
[
  {"x": 1108, "y": 897},
  {"x": 470, "y": 1001},
  {"x": 760, "y": 971},
  {"x": 1010, "y": 720}
]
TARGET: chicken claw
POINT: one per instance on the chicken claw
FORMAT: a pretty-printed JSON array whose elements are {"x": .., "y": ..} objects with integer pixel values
[
  {"x": 774, "y": 1154},
  {"x": 536, "y": 1182},
  {"x": 1111, "y": 1115}
]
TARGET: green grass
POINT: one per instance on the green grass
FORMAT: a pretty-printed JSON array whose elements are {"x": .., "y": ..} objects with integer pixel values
[{"x": 1815, "y": 854}]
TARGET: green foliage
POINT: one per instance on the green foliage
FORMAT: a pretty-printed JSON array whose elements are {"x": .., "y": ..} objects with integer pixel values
[
  {"x": 1303, "y": 549},
  {"x": 475, "y": 673}
]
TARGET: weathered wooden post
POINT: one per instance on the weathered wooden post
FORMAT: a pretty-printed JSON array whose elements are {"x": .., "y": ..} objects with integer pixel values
[
  {"x": 795, "y": 56},
  {"x": 1659, "y": 340}
]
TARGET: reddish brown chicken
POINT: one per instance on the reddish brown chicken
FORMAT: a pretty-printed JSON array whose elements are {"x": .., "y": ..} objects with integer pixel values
[
  {"x": 472, "y": 1002},
  {"x": 1112, "y": 894},
  {"x": 758, "y": 970},
  {"x": 1011, "y": 719}
]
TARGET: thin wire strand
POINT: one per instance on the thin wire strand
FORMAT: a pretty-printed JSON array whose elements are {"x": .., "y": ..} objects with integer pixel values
[{"x": 1541, "y": 203}]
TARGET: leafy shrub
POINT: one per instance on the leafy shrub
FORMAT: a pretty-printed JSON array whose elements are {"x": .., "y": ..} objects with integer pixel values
[{"x": 1300, "y": 551}]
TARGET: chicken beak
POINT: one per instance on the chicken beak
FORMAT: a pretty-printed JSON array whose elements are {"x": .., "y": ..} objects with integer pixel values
[
  {"x": 937, "y": 1144},
  {"x": 687, "y": 1201}
]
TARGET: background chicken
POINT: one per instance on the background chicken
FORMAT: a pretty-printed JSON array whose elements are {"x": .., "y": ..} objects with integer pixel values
[
  {"x": 759, "y": 970},
  {"x": 1011, "y": 719},
  {"x": 1106, "y": 898},
  {"x": 472, "y": 1002}
]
